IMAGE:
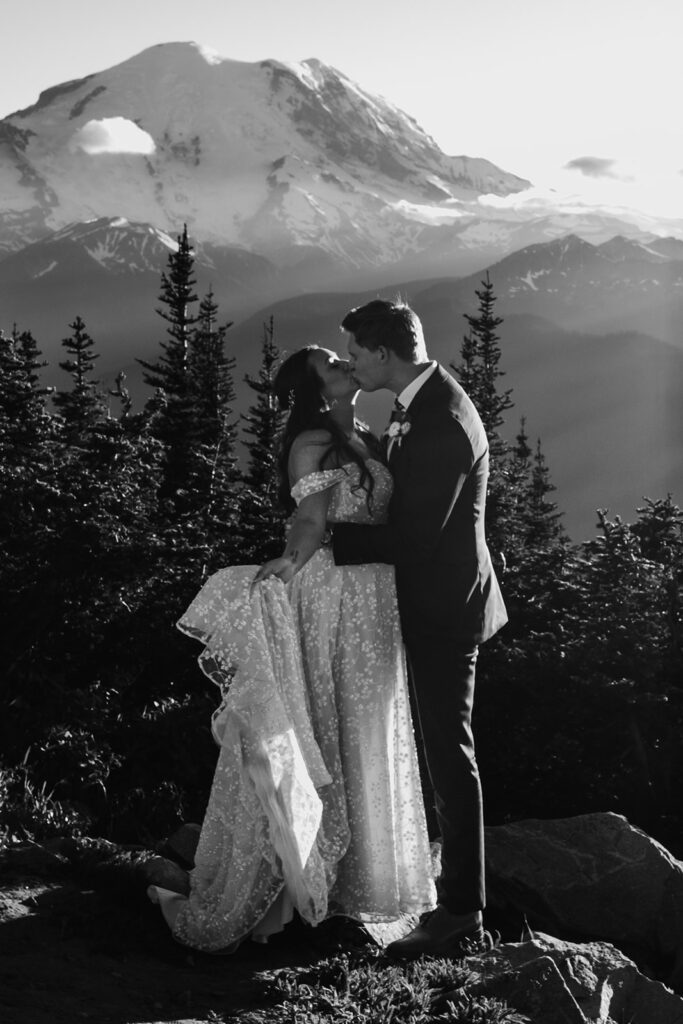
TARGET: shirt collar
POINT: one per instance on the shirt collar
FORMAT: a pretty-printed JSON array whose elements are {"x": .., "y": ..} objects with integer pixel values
[{"x": 408, "y": 393}]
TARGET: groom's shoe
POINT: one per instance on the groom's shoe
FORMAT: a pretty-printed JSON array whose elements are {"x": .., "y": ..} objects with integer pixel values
[{"x": 441, "y": 933}]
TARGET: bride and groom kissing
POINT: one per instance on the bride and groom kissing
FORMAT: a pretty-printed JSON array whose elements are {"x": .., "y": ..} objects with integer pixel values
[{"x": 316, "y": 805}]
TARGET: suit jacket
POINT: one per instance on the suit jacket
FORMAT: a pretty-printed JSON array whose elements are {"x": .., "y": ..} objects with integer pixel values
[{"x": 434, "y": 534}]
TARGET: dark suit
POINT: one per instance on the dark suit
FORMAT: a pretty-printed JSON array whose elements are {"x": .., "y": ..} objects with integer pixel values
[{"x": 449, "y": 602}]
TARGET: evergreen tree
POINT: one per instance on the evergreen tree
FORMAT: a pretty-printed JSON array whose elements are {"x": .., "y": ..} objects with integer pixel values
[
  {"x": 169, "y": 372},
  {"x": 264, "y": 419},
  {"x": 467, "y": 370},
  {"x": 480, "y": 370},
  {"x": 521, "y": 450},
  {"x": 659, "y": 529},
  {"x": 82, "y": 406},
  {"x": 542, "y": 519},
  {"x": 174, "y": 421},
  {"x": 515, "y": 471},
  {"x": 212, "y": 378},
  {"x": 262, "y": 519},
  {"x": 479, "y": 373},
  {"x": 121, "y": 392},
  {"x": 26, "y": 466},
  {"x": 24, "y": 421},
  {"x": 217, "y": 475}
]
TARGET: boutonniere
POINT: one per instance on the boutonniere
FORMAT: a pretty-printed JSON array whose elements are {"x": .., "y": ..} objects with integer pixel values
[{"x": 398, "y": 430}]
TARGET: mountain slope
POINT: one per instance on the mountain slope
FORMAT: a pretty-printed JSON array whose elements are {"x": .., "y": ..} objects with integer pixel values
[
  {"x": 621, "y": 285},
  {"x": 266, "y": 156},
  {"x": 292, "y": 162}
]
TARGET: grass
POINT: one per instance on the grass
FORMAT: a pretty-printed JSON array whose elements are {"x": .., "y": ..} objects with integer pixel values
[
  {"x": 29, "y": 811},
  {"x": 363, "y": 987},
  {"x": 357, "y": 986}
]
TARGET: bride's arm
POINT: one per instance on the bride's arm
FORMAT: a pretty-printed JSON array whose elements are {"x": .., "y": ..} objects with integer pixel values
[
  {"x": 303, "y": 540},
  {"x": 310, "y": 520}
]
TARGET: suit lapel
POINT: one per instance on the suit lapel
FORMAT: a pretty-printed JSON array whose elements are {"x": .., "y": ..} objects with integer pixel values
[
  {"x": 422, "y": 400},
  {"x": 429, "y": 392}
]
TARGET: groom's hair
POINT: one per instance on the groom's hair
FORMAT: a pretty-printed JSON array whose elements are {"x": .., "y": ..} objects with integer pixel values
[{"x": 391, "y": 324}]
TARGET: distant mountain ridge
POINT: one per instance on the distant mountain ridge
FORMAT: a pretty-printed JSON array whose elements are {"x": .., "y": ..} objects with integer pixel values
[{"x": 623, "y": 284}]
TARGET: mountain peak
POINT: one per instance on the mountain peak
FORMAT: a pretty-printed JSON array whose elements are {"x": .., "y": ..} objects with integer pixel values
[{"x": 179, "y": 134}]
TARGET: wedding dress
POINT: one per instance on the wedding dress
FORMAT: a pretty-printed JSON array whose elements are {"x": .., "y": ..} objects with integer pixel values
[{"x": 316, "y": 802}]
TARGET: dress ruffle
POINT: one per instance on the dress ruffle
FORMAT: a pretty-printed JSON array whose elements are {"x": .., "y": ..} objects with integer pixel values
[
  {"x": 264, "y": 810},
  {"x": 316, "y": 800}
]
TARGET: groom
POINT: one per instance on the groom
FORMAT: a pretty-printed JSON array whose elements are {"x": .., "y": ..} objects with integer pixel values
[{"x": 448, "y": 595}]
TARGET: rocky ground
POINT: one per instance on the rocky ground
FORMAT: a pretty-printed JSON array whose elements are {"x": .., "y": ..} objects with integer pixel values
[
  {"x": 75, "y": 950},
  {"x": 79, "y": 941}
]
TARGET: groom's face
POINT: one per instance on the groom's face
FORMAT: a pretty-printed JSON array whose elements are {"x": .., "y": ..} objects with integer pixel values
[{"x": 368, "y": 366}]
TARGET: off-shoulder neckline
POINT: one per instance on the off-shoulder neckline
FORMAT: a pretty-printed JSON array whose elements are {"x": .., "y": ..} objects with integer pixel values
[{"x": 337, "y": 469}]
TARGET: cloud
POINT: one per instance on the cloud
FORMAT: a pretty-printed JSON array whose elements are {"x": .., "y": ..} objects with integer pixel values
[
  {"x": 112, "y": 135},
  {"x": 592, "y": 166}
]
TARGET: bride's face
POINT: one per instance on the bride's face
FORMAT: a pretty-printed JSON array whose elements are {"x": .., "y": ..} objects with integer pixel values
[{"x": 334, "y": 373}]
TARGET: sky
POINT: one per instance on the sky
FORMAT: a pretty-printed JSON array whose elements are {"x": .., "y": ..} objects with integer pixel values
[{"x": 581, "y": 97}]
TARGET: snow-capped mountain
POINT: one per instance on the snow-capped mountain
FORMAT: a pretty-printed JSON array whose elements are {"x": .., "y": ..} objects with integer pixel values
[
  {"x": 106, "y": 245},
  {"x": 290, "y": 162},
  {"x": 266, "y": 156}
]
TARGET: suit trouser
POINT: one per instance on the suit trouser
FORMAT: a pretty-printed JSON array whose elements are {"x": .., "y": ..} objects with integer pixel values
[{"x": 443, "y": 681}]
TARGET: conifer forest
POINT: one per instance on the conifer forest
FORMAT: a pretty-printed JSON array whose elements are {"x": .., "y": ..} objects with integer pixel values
[{"x": 113, "y": 517}]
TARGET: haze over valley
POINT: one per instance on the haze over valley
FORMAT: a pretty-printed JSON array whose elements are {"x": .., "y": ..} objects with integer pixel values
[{"x": 304, "y": 194}]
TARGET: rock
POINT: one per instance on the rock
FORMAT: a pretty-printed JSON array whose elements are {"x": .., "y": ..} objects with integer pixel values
[
  {"x": 182, "y": 845},
  {"x": 33, "y": 858},
  {"x": 165, "y": 873},
  {"x": 83, "y": 850},
  {"x": 536, "y": 988},
  {"x": 593, "y": 876},
  {"x": 558, "y": 982}
]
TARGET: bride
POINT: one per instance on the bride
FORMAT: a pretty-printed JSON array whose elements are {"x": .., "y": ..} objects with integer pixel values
[{"x": 316, "y": 803}]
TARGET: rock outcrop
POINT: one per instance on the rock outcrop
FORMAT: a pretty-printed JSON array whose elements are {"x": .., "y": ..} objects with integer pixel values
[
  {"x": 592, "y": 877},
  {"x": 557, "y": 982}
]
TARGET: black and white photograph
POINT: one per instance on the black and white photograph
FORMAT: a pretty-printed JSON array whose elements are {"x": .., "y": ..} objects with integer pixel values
[{"x": 341, "y": 512}]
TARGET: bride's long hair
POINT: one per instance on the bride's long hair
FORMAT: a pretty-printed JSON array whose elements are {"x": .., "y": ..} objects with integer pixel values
[{"x": 298, "y": 390}]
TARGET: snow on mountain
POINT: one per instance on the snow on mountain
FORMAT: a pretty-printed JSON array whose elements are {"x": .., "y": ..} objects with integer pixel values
[
  {"x": 623, "y": 284},
  {"x": 292, "y": 162},
  {"x": 265, "y": 156},
  {"x": 120, "y": 246},
  {"x": 571, "y": 266},
  {"x": 100, "y": 247}
]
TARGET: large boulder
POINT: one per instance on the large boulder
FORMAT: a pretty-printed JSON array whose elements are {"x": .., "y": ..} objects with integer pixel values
[
  {"x": 594, "y": 876},
  {"x": 557, "y": 982}
]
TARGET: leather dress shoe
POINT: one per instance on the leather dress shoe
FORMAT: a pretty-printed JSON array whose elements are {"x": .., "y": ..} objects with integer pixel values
[{"x": 441, "y": 933}]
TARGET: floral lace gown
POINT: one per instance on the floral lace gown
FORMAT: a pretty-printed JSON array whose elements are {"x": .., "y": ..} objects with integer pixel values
[{"x": 316, "y": 800}]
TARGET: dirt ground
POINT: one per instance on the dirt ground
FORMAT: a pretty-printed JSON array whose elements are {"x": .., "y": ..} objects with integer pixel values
[{"x": 70, "y": 953}]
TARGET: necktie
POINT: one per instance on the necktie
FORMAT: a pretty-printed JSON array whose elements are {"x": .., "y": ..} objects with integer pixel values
[{"x": 399, "y": 414}]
